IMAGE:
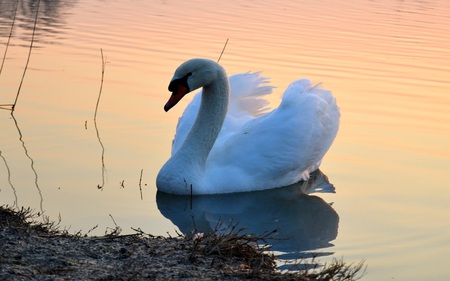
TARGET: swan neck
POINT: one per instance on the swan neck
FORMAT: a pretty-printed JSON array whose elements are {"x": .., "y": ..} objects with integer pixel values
[
  {"x": 209, "y": 121},
  {"x": 185, "y": 171}
]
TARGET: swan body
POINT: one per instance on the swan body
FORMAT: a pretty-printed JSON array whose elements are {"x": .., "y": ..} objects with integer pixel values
[{"x": 230, "y": 142}]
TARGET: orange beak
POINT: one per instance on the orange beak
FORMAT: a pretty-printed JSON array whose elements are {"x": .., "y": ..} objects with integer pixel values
[{"x": 176, "y": 96}]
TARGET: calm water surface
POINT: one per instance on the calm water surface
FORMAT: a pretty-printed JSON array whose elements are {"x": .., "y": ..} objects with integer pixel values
[{"x": 387, "y": 62}]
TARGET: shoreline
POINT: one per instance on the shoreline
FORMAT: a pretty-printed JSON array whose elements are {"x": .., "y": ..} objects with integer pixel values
[{"x": 37, "y": 251}]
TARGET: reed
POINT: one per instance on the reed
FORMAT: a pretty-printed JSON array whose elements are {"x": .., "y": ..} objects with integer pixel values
[
  {"x": 29, "y": 56},
  {"x": 223, "y": 50},
  {"x": 101, "y": 84},
  {"x": 10, "y": 35},
  {"x": 8, "y": 106},
  {"x": 95, "y": 121},
  {"x": 140, "y": 184}
]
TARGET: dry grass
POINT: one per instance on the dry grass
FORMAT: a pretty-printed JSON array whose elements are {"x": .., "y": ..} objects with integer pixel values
[
  {"x": 260, "y": 262},
  {"x": 234, "y": 242}
]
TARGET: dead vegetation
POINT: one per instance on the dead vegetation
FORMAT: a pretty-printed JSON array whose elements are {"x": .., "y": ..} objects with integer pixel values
[{"x": 235, "y": 242}]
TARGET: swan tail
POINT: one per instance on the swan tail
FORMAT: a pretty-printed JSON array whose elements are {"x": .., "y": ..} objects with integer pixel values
[
  {"x": 303, "y": 90},
  {"x": 316, "y": 106}
]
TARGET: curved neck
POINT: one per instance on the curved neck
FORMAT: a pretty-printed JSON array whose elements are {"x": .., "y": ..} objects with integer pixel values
[{"x": 209, "y": 121}]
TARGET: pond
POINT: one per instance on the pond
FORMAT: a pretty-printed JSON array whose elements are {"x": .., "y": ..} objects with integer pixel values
[{"x": 382, "y": 194}]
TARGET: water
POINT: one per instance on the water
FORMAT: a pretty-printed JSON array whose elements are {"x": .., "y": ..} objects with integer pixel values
[{"x": 387, "y": 62}]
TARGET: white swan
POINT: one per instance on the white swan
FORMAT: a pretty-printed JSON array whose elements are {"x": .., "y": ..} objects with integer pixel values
[{"x": 230, "y": 143}]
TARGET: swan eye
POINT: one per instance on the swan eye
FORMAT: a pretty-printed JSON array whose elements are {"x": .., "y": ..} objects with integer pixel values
[{"x": 180, "y": 81}]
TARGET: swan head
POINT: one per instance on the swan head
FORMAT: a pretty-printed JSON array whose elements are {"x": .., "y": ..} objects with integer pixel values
[{"x": 190, "y": 76}]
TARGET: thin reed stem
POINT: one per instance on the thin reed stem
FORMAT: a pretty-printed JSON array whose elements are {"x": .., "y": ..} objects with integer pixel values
[
  {"x": 103, "y": 155},
  {"x": 101, "y": 84},
  {"x": 9, "y": 37},
  {"x": 29, "y": 55},
  {"x": 223, "y": 50},
  {"x": 140, "y": 181},
  {"x": 95, "y": 122}
]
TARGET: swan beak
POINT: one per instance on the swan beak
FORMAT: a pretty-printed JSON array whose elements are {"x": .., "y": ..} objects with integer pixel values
[{"x": 176, "y": 96}]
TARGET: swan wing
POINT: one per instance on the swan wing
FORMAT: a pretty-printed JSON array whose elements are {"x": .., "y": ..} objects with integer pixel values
[
  {"x": 247, "y": 95},
  {"x": 278, "y": 148},
  {"x": 247, "y": 91}
]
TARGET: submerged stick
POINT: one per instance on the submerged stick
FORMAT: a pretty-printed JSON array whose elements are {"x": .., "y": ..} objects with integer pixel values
[
  {"x": 29, "y": 55},
  {"x": 9, "y": 37}
]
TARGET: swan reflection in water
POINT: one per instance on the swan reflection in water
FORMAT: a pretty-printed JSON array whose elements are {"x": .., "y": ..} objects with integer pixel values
[{"x": 304, "y": 223}]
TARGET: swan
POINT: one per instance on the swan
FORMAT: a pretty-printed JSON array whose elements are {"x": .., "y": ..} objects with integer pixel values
[{"x": 228, "y": 142}]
